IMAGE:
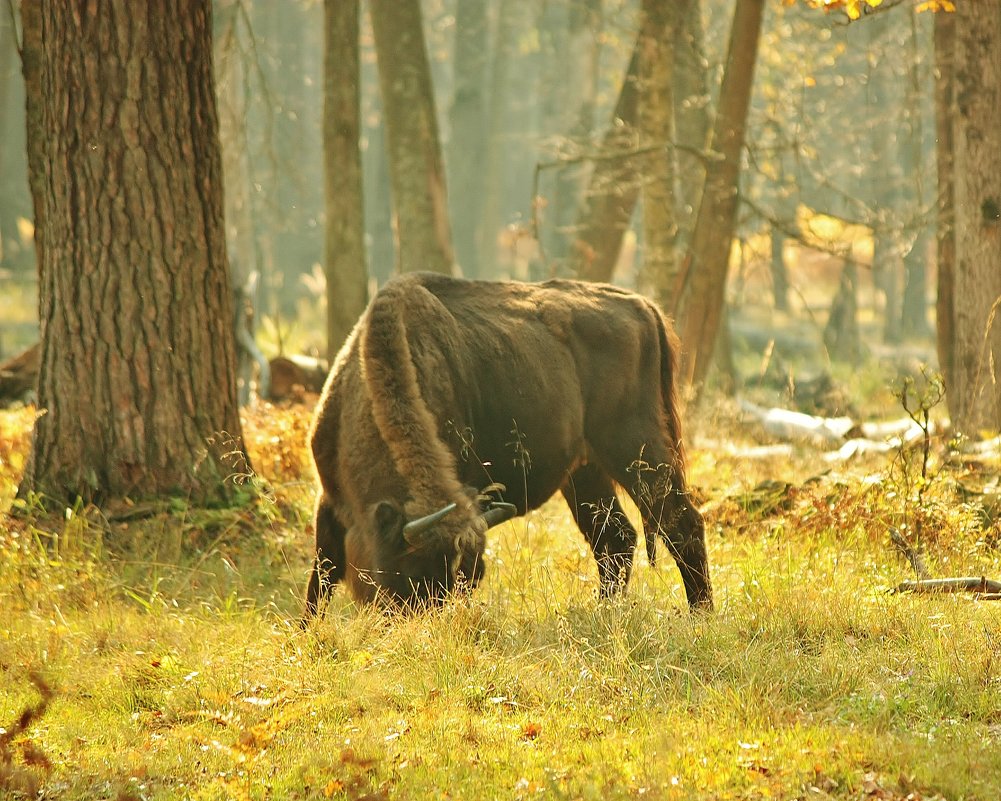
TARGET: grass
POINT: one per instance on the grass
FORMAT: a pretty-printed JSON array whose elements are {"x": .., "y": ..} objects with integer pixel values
[{"x": 177, "y": 669}]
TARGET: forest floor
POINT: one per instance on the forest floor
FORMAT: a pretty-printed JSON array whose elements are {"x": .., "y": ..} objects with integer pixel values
[{"x": 160, "y": 656}]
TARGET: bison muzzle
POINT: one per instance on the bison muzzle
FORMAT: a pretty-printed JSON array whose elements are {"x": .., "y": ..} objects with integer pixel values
[{"x": 455, "y": 405}]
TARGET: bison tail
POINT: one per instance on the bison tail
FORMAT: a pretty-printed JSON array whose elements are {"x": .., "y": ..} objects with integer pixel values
[
  {"x": 669, "y": 366},
  {"x": 402, "y": 311}
]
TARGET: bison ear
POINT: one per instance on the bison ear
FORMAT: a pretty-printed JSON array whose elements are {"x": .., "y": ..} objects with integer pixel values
[{"x": 388, "y": 520}]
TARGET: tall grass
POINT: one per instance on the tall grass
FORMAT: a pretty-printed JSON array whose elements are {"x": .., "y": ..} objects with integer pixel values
[{"x": 178, "y": 671}]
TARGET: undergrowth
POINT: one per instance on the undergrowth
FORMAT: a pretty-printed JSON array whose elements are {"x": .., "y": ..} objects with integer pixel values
[{"x": 160, "y": 657}]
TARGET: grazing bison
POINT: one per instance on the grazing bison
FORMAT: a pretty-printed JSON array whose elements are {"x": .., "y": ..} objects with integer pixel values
[{"x": 448, "y": 388}]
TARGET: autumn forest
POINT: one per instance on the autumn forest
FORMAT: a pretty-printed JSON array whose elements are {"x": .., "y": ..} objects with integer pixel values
[{"x": 573, "y": 399}]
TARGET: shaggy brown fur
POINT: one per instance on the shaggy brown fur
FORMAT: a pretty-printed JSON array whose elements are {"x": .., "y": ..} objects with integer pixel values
[{"x": 448, "y": 386}]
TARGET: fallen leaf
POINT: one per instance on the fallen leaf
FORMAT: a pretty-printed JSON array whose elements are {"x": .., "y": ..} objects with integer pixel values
[{"x": 530, "y": 731}]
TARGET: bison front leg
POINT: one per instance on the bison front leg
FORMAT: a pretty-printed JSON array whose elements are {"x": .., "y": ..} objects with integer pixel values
[
  {"x": 669, "y": 512},
  {"x": 651, "y": 470},
  {"x": 329, "y": 560},
  {"x": 687, "y": 542},
  {"x": 590, "y": 494}
]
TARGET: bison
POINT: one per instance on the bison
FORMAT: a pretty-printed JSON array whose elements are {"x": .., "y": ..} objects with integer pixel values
[{"x": 456, "y": 404}]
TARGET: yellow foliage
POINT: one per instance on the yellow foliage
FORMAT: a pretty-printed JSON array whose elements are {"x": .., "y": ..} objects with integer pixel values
[{"x": 833, "y": 233}]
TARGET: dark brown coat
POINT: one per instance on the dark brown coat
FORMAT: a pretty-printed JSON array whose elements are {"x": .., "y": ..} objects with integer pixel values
[{"x": 447, "y": 386}]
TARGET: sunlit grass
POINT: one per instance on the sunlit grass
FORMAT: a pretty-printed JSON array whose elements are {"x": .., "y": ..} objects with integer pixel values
[{"x": 179, "y": 671}]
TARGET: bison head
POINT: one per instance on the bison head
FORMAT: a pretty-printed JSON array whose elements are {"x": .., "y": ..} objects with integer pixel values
[{"x": 421, "y": 561}]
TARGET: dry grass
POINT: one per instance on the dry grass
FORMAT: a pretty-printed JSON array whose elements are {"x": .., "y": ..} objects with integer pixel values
[{"x": 177, "y": 670}]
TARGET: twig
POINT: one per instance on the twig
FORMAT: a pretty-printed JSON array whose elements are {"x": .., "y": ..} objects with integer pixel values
[
  {"x": 912, "y": 555},
  {"x": 30, "y": 714}
]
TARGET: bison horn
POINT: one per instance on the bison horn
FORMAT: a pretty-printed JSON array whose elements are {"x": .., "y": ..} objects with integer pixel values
[
  {"x": 498, "y": 513},
  {"x": 413, "y": 530}
]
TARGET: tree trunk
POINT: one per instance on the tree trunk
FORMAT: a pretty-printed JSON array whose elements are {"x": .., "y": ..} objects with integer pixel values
[
  {"x": 378, "y": 203},
  {"x": 466, "y": 147},
  {"x": 701, "y": 302},
  {"x": 347, "y": 278},
  {"x": 613, "y": 190},
  {"x": 657, "y": 37},
  {"x": 497, "y": 120},
  {"x": 914, "y": 305},
  {"x": 232, "y": 92},
  {"x": 975, "y": 395},
  {"x": 420, "y": 203},
  {"x": 780, "y": 276},
  {"x": 945, "y": 240},
  {"x": 293, "y": 143},
  {"x": 376, "y": 189},
  {"x": 571, "y": 37},
  {"x": 137, "y": 373},
  {"x": 841, "y": 334},
  {"x": 691, "y": 114},
  {"x": 885, "y": 174}
]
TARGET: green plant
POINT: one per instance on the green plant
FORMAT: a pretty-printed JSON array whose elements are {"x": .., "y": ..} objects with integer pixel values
[{"x": 911, "y": 470}]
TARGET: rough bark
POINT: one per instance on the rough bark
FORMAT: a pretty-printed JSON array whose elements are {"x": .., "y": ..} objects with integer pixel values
[
  {"x": 466, "y": 147},
  {"x": 701, "y": 301},
  {"x": 347, "y": 277},
  {"x": 137, "y": 375},
  {"x": 420, "y": 203},
  {"x": 613, "y": 190},
  {"x": 656, "y": 125},
  {"x": 975, "y": 395}
]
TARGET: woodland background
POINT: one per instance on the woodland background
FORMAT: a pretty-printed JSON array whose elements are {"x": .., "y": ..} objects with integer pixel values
[{"x": 194, "y": 196}]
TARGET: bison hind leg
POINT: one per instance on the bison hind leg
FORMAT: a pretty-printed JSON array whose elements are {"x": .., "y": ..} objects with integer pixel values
[
  {"x": 590, "y": 493},
  {"x": 651, "y": 470},
  {"x": 329, "y": 560}
]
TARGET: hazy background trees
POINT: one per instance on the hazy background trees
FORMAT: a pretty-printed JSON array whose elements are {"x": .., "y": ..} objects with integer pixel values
[{"x": 534, "y": 142}]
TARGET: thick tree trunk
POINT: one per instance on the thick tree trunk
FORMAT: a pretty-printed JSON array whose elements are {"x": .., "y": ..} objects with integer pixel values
[
  {"x": 613, "y": 190},
  {"x": 137, "y": 374},
  {"x": 656, "y": 124},
  {"x": 975, "y": 394},
  {"x": 701, "y": 302},
  {"x": 466, "y": 148},
  {"x": 420, "y": 203},
  {"x": 347, "y": 277}
]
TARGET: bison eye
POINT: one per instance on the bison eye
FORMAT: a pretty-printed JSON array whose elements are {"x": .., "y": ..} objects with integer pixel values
[{"x": 388, "y": 520}]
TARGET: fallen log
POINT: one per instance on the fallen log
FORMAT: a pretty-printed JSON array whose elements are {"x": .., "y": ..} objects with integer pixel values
[
  {"x": 787, "y": 424},
  {"x": 984, "y": 587},
  {"x": 293, "y": 375}
]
